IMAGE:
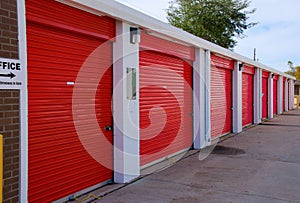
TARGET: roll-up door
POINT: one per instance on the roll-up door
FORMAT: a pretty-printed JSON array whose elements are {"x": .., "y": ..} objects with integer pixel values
[
  {"x": 289, "y": 96},
  {"x": 165, "y": 99},
  {"x": 247, "y": 95},
  {"x": 221, "y": 96},
  {"x": 275, "y": 79},
  {"x": 265, "y": 78},
  {"x": 60, "y": 40},
  {"x": 283, "y": 94}
]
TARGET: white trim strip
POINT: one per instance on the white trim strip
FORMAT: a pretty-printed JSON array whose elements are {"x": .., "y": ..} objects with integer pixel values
[{"x": 23, "y": 103}]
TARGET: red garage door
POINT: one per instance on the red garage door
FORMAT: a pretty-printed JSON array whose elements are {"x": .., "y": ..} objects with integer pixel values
[
  {"x": 289, "y": 96},
  {"x": 60, "y": 39},
  {"x": 275, "y": 97},
  {"x": 247, "y": 97},
  {"x": 283, "y": 94},
  {"x": 165, "y": 99},
  {"x": 221, "y": 96},
  {"x": 265, "y": 92}
]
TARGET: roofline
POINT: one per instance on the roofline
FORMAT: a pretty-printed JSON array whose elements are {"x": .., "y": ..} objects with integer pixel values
[{"x": 124, "y": 13}]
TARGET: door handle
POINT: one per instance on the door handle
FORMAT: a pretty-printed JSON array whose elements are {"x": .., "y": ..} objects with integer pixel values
[{"x": 108, "y": 128}]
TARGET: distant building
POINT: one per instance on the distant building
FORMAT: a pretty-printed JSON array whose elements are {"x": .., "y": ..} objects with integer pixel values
[{"x": 297, "y": 87}]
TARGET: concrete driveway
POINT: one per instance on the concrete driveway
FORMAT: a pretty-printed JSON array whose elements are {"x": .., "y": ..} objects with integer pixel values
[{"x": 262, "y": 164}]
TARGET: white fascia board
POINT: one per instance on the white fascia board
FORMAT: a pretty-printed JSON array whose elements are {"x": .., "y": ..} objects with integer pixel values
[{"x": 126, "y": 14}]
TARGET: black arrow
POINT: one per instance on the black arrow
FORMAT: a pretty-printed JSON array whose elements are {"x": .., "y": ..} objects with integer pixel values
[{"x": 10, "y": 75}]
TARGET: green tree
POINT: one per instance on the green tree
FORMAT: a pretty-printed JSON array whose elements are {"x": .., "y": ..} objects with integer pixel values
[
  {"x": 218, "y": 21},
  {"x": 292, "y": 68}
]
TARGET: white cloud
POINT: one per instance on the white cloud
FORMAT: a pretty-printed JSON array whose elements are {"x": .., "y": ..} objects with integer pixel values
[{"x": 276, "y": 37}]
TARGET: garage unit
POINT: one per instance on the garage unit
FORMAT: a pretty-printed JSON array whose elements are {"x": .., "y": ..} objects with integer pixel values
[
  {"x": 283, "y": 94},
  {"x": 275, "y": 95},
  {"x": 247, "y": 95},
  {"x": 265, "y": 94},
  {"x": 165, "y": 98},
  {"x": 60, "y": 41},
  {"x": 221, "y": 95}
]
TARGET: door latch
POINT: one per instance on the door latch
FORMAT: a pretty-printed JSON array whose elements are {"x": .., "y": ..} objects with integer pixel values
[{"x": 108, "y": 128}]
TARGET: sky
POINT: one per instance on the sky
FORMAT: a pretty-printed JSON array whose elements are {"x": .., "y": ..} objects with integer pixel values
[{"x": 276, "y": 37}]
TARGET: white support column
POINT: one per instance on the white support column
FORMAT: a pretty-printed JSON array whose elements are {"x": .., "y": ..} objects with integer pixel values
[
  {"x": 286, "y": 95},
  {"x": 257, "y": 98},
  {"x": 291, "y": 87},
  {"x": 23, "y": 103},
  {"x": 237, "y": 97},
  {"x": 206, "y": 86},
  {"x": 201, "y": 85},
  {"x": 270, "y": 96},
  {"x": 125, "y": 108},
  {"x": 280, "y": 94}
]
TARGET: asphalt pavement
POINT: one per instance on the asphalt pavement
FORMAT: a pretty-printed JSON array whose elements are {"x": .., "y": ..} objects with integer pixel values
[{"x": 261, "y": 164}]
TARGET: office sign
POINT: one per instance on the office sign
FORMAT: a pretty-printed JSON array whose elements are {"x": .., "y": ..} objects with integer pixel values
[{"x": 12, "y": 74}]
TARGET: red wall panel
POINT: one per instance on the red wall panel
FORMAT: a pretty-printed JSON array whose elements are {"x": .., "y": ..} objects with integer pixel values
[
  {"x": 275, "y": 80},
  {"x": 247, "y": 95},
  {"x": 265, "y": 95},
  {"x": 150, "y": 42},
  {"x": 60, "y": 39},
  {"x": 221, "y": 96},
  {"x": 165, "y": 105}
]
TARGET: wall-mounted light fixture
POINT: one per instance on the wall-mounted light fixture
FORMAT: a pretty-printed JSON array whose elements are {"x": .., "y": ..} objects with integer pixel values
[
  {"x": 135, "y": 35},
  {"x": 241, "y": 66},
  {"x": 273, "y": 75}
]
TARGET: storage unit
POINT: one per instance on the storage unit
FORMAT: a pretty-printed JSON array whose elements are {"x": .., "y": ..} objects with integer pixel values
[
  {"x": 247, "y": 95},
  {"x": 221, "y": 95},
  {"x": 275, "y": 95},
  {"x": 60, "y": 39},
  {"x": 165, "y": 98},
  {"x": 283, "y": 94},
  {"x": 289, "y": 96},
  {"x": 265, "y": 93}
]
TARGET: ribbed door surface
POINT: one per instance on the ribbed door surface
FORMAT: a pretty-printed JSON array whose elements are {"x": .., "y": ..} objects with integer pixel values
[
  {"x": 265, "y": 94},
  {"x": 247, "y": 95},
  {"x": 289, "y": 96},
  {"x": 221, "y": 96},
  {"x": 165, "y": 105},
  {"x": 283, "y": 94},
  {"x": 275, "y": 94},
  {"x": 60, "y": 39}
]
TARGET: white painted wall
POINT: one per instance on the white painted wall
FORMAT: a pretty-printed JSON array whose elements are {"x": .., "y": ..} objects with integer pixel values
[
  {"x": 257, "y": 109},
  {"x": 201, "y": 104},
  {"x": 237, "y": 119},
  {"x": 125, "y": 111},
  {"x": 23, "y": 102}
]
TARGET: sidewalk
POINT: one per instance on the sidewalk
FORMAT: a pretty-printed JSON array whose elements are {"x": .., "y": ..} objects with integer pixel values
[{"x": 262, "y": 164}]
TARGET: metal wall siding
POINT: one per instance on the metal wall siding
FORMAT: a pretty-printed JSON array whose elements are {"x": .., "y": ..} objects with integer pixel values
[
  {"x": 265, "y": 74},
  {"x": 149, "y": 42},
  {"x": 283, "y": 93},
  {"x": 165, "y": 105},
  {"x": 249, "y": 70},
  {"x": 58, "y": 163},
  {"x": 61, "y": 16},
  {"x": 265, "y": 94},
  {"x": 221, "y": 97},
  {"x": 222, "y": 62},
  {"x": 247, "y": 95},
  {"x": 275, "y": 95}
]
